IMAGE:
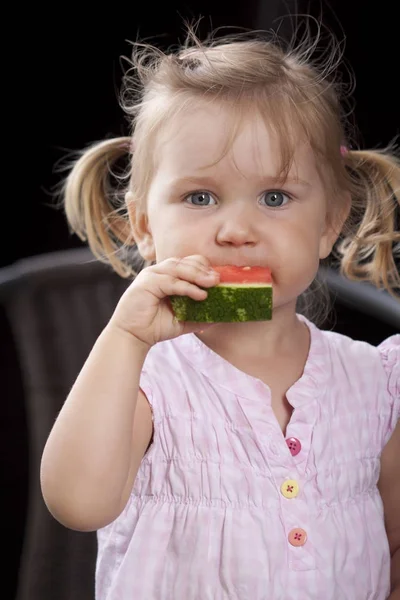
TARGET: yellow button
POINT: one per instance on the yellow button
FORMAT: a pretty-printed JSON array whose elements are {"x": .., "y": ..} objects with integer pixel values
[{"x": 290, "y": 488}]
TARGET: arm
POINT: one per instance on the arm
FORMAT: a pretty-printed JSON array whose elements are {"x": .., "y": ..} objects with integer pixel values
[
  {"x": 95, "y": 447},
  {"x": 94, "y": 450},
  {"x": 389, "y": 487}
]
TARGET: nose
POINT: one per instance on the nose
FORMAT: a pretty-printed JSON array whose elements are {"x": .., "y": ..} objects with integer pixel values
[{"x": 237, "y": 228}]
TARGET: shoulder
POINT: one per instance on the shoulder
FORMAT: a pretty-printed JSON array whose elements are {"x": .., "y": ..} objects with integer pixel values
[
  {"x": 164, "y": 361},
  {"x": 164, "y": 357},
  {"x": 384, "y": 359},
  {"x": 361, "y": 355},
  {"x": 373, "y": 369},
  {"x": 389, "y": 351},
  {"x": 166, "y": 373},
  {"x": 354, "y": 358},
  {"x": 389, "y": 482},
  {"x": 369, "y": 374}
]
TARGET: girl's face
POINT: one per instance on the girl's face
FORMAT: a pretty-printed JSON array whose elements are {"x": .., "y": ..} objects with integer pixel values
[{"x": 235, "y": 212}]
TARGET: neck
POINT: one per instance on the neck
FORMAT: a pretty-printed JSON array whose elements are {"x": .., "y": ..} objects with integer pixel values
[{"x": 259, "y": 340}]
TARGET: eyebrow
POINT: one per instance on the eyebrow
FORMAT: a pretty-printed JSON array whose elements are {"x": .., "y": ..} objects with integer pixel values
[{"x": 210, "y": 182}]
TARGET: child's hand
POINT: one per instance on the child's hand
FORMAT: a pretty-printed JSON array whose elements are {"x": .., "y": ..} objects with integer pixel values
[{"x": 144, "y": 309}]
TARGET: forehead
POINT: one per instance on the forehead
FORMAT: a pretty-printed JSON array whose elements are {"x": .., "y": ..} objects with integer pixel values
[{"x": 215, "y": 137}]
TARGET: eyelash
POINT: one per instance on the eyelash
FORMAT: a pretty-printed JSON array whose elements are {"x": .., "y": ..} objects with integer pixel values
[{"x": 288, "y": 196}]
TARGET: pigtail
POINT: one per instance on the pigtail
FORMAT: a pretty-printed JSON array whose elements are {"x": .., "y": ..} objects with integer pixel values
[
  {"x": 370, "y": 243},
  {"x": 94, "y": 203}
]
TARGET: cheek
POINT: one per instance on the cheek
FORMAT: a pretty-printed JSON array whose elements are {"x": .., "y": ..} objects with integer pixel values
[
  {"x": 295, "y": 237},
  {"x": 296, "y": 256},
  {"x": 172, "y": 238}
]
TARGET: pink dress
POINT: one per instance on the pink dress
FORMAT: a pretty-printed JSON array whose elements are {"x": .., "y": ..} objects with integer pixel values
[{"x": 226, "y": 507}]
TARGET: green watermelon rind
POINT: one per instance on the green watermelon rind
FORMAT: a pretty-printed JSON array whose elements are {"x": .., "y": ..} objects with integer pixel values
[{"x": 226, "y": 303}]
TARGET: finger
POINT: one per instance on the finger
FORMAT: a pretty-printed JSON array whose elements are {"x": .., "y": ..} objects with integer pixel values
[
  {"x": 196, "y": 260},
  {"x": 188, "y": 269},
  {"x": 162, "y": 285},
  {"x": 199, "y": 259}
]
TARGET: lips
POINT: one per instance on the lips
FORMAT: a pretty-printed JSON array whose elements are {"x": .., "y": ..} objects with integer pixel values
[{"x": 239, "y": 265}]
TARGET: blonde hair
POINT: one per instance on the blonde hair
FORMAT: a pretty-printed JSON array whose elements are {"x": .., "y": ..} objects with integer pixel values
[{"x": 286, "y": 87}]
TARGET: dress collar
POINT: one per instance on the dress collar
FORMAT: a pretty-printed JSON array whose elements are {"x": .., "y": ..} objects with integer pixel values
[{"x": 226, "y": 375}]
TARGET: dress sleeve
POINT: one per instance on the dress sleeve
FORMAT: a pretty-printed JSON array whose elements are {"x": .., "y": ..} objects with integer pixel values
[{"x": 390, "y": 356}]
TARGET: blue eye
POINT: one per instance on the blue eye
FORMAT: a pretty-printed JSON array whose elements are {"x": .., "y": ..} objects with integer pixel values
[
  {"x": 201, "y": 199},
  {"x": 275, "y": 199}
]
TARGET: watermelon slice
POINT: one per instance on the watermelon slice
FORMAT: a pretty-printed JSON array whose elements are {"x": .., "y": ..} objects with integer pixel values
[{"x": 243, "y": 294}]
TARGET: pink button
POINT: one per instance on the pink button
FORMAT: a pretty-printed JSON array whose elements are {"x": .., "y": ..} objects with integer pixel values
[
  {"x": 294, "y": 445},
  {"x": 297, "y": 537}
]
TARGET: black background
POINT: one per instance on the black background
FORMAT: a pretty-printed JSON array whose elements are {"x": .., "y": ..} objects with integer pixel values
[
  {"x": 62, "y": 91},
  {"x": 66, "y": 85}
]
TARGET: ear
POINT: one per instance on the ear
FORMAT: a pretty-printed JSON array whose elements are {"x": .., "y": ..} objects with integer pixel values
[
  {"x": 140, "y": 228},
  {"x": 334, "y": 226}
]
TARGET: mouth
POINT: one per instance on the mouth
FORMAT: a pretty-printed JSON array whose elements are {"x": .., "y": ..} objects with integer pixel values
[{"x": 240, "y": 264}]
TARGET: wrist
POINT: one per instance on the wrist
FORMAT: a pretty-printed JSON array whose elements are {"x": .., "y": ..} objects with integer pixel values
[{"x": 116, "y": 331}]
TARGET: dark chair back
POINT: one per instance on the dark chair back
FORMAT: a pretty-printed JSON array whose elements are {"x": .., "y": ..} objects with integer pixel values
[{"x": 56, "y": 305}]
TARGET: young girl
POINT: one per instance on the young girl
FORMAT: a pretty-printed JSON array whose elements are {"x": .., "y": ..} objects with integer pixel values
[{"x": 246, "y": 461}]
